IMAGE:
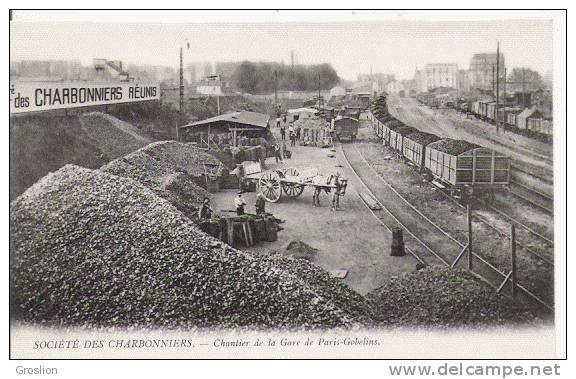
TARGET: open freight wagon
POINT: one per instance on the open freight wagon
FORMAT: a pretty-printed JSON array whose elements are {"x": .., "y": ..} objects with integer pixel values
[
  {"x": 396, "y": 137},
  {"x": 459, "y": 164},
  {"x": 414, "y": 147}
]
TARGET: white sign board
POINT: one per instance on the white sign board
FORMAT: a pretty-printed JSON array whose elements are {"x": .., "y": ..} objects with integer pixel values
[{"x": 35, "y": 97}]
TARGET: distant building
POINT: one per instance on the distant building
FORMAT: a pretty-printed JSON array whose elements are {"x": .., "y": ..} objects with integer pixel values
[
  {"x": 51, "y": 70},
  {"x": 483, "y": 70},
  {"x": 409, "y": 86},
  {"x": 394, "y": 87},
  {"x": 463, "y": 80},
  {"x": 338, "y": 91}
]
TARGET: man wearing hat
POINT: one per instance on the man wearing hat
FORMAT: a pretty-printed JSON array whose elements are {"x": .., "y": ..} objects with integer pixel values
[
  {"x": 260, "y": 204},
  {"x": 338, "y": 191},
  {"x": 205, "y": 212},
  {"x": 239, "y": 203}
]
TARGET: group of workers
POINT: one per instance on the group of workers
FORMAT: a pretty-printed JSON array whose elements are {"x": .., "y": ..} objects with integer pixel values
[
  {"x": 205, "y": 211},
  {"x": 293, "y": 132},
  {"x": 334, "y": 185}
]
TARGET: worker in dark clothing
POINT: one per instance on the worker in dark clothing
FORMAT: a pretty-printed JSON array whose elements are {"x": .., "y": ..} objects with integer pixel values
[
  {"x": 260, "y": 204},
  {"x": 205, "y": 212},
  {"x": 240, "y": 204},
  {"x": 283, "y": 132},
  {"x": 337, "y": 191},
  {"x": 277, "y": 153},
  {"x": 316, "y": 196}
]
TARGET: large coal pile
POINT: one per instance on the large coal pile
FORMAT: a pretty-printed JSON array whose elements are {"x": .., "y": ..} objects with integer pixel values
[
  {"x": 441, "y": 297},
  {"x": 113, "y": 136},
  {"x": 182, "y": 157},
  {"x": 89, "y": 248},
  {"x": 161, "y": 176}
]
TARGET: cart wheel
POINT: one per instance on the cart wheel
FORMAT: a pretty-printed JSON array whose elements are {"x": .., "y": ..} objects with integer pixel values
[
  {"x": 269, "y": 186},
  {"x": 293, "y": 190}
]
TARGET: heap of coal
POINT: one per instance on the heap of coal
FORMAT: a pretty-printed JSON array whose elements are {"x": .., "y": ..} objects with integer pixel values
[
  {"x": 93, "y": 249},
  {"x": 183, "y": 157},
  {"x": 159, "y": 167},
  {"x": 442, "y": 297},
  {"x": 113, "y": 137}
]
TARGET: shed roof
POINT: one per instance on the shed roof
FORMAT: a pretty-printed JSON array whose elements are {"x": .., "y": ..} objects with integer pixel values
[
  {"x": 303, "y": 109},
  {"x": 528, "y": 112},
  {"x": 241, "y": 117}
]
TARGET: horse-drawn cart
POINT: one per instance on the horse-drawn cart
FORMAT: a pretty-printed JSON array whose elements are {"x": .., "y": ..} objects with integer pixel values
[{"x": 292, "y": 181}]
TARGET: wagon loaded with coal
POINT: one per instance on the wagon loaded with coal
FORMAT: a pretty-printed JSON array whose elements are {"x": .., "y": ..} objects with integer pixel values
[{"x": 452, "y": 165}]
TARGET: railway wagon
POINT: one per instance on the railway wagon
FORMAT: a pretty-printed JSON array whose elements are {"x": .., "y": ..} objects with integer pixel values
[
  {"x": 388, "y": 127},
  {"x": 382, "y": 128},
  {"x": 397, "y": 137},
  {"x": 460, "y": 163},
  {"x": 346, "y": 128},
  {"x": 414, "y": 147}
]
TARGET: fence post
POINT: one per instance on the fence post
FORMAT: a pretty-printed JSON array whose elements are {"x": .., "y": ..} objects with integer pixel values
[
  {"x": 513, "y": 257},
  {"x": 469, "y": 218}
]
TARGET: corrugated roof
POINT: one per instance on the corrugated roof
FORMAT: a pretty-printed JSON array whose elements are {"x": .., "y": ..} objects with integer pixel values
[
  {"x": 304, "y": 109},
  {"x": 242, "y": 117}
]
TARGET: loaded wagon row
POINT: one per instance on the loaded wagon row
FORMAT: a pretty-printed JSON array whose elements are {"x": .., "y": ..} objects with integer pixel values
[
  {"x": 514, "y": 117},
  {"x": 453, "y": 163}
]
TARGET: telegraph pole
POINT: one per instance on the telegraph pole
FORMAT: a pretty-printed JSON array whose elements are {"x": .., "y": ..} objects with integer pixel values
[
  {"x": 505, "y": 98},
  {"x": 181, "y": 83},
  {"x": 181, "y": 108},
  {"x": 275, "y": 87},
  {"x": 497, "y": 87},
  {"x": 319, "y": 88},
  {"x": 523, "y": 88}
]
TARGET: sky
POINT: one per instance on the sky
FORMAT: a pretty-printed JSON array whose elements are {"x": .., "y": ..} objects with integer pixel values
[{"x": 352, "y": 47}]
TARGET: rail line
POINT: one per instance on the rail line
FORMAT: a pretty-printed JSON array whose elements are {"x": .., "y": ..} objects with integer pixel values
[
  {"x": 479, "y": 217},
  {"x": 532, "y": 196},
  {"x": 484, "y": 269}
]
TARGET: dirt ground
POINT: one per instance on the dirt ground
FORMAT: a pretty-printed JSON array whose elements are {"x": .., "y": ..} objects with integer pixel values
[{"x": 350, "y": 239}]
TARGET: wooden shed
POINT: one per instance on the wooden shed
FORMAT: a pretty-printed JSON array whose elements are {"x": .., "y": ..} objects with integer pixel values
[
  {"x": 235, "y": 124},
  {"x": 522, "y": 118},
  {"x": 459, "y": 163}
]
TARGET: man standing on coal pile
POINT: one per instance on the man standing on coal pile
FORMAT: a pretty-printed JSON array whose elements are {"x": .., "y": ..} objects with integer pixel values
[
  {"x": 260, "y": 204},
  {"x": 239, "y": 203},
  {"x": 283, "y": 132},
  {"x": 205, "y": 212}
]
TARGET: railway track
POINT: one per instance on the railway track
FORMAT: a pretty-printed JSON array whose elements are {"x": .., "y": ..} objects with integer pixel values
[
  {"x": 427, "y": 241},
  {"x": 532, "y": 196}
]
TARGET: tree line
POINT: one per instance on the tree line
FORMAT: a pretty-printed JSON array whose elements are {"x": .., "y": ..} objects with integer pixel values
[{"x": 264, "y": 77}]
